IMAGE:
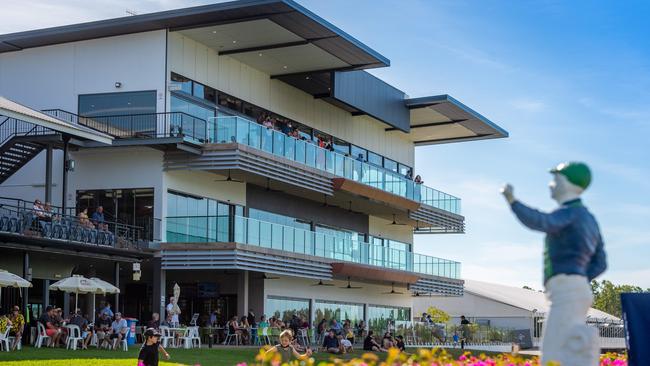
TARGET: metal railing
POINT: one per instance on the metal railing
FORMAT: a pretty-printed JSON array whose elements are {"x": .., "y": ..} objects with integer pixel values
[
  {"x": 146, "y": 125},
  {"x": 12, "y": 127},
  {"x": 295, "y": 240},
  {"x": 24, "y": 220},
  {"x": 240, "y": 130}
]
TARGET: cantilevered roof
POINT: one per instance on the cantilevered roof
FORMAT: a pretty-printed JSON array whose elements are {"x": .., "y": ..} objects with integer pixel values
[
  {"x": 20, "y": 112},
  {"x": 442, "y": 119},
  {"x": 262, "y": 26}
]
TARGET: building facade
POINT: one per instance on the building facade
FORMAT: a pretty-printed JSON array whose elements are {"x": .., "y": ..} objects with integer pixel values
[{"x": 252, "y": 160}]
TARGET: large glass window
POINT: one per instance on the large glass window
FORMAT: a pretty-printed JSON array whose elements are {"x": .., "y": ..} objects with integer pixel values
[
  {"x": 337, "y": 310},
  {"x": 284, "y": 308},
  {"x": 390, "y": 164},
  {"x": 375, "y": 159},
  {"x": 184, "y": 83},
  {"x": 196, "y": 219},
  {"x": 113, "y": 104},
  {"x": 277, "y": 219},
  {"x": 379, "y": 317},
  {"x": 357, "y": 151}
]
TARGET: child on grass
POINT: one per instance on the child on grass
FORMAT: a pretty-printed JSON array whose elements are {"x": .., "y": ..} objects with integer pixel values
[
  {"x": 286, "y": 349},
  {"x": 149, "y": 352}
]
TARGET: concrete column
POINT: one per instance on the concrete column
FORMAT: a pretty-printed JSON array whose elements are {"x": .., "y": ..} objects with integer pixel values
[
  {"x": 242, "y": 293},
  {"x": 159, "y": 288},
  {"x": 64, "y": 188},
  {"x": 48, "y": 173},
  {"x": 312, "y": 311},
  {"x": 116, "y": 304},
  {"x": 365, "y": 314},
  {"x": 46, "y": 293}
]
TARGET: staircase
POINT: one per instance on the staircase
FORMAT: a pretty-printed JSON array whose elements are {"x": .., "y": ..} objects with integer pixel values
[
  {"x": 14, "y": 154},
  {"x": 19, "y": 143}
]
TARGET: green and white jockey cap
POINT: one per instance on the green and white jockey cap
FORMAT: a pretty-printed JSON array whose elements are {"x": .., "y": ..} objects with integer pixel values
[{"x": 577, "y": 173}]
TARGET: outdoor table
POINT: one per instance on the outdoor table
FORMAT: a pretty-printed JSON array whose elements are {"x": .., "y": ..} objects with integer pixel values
[{"x": 177, "y": 333}]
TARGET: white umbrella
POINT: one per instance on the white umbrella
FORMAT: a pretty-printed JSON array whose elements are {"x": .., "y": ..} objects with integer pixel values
[
  {"x": 77, "y": 284},
  {"x": 8, "y": 279},
  {"x": 107, "y": 288}
]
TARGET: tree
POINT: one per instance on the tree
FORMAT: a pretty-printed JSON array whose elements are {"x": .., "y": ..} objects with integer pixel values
[
  {"x": 437, "y": 315},
  {"x": 607, "y": 296}
]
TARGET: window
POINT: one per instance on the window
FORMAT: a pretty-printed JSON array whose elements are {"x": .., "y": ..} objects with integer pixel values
[
  {"x": 375, "y": 159},
  {"x": 405, "y": 170},
  {"x": 380, "y": 316},
  {"x": 337, "y": 310},
  {"x": 261, "y": 215},
  {"x": 229, "y": 102},
  {"x": 356, "y": 151},
  {"x": 196, "y": 219},
  {"x": 191, "y": 108},
  {"x": 115, "y": 104},
  {"x": 185, "y": 83},
  {"x": 284, "y": 308},
  {"x": 341, "y": 146},
  {"x": 390, "y": 164}
]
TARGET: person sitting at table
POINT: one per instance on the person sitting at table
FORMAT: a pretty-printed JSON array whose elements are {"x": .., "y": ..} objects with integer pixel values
[
  {"x": 49, "y": 322},
  {"x": 167, "y": 322},
  {"x": 245, "y": 330},
  {"x": 233, "y": 327},
  {"x": 102, "y": 326},
  {"x": 154, "y": 323},
  {"x": 86, "y": 333},
  {"x": 83, "y": 219},
  {"x": 119, "y": 327},
  {"x": 17, "y": 325}
]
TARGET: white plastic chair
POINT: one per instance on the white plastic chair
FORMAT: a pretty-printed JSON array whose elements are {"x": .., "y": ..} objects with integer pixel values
[
  {"x": 42, "y": 336},
  {"x": 265, "y": 336},
  {"x": 231, "y": 336},
  {"x": 19, "y": 345},
  {"x": 74, "y": 337},
  {"x": 4, "y": 339},
  {"x": 124, "y": 343},
  {"x": 191, "y": 338},
  {"x": 165, "y": 337}
]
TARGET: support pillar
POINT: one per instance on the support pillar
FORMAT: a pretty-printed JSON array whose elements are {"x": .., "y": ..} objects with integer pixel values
[
  {"x": 46, "y": 293},
  {"x": 48, "y": 173},
  {"x": 159, "y": 288},
  {"x": 66, "y": 304},
  {"x": 365, "y": 316},
  {"x": 64, "y": 189},
  {"x": 117, "y": 284},
  {"x": 25, "y": 305},
  {"x": 242, "y": 293}
]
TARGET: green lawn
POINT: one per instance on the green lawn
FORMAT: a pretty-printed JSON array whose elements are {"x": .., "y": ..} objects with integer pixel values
[{"x": 204, "y": 356}]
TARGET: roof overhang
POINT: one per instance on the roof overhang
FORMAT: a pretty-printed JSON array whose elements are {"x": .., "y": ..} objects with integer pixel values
[
  {"x": 366, "y": 272},
  {"x": 20, "y": 112},
  {"x": 442, "y": 119},
  {"x": 277, "y": 28}
]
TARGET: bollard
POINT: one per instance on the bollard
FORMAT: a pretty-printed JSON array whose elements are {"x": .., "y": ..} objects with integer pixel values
[{"x": 210, "y": 336}]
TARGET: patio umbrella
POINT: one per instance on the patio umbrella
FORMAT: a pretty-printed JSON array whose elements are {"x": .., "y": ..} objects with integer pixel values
[
  {"x": 107, "y": 288},
  {"x": 177, "y": 294},
  {"x": 77, "y": 284},
  {"x": 8, "y": 279}
]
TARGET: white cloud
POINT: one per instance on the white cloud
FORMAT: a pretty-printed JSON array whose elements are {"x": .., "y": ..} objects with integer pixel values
[{"x": 528, "y": 105}]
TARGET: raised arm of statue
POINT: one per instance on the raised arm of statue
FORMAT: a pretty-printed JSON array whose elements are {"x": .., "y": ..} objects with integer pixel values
[{"x": 541, "y": 221}]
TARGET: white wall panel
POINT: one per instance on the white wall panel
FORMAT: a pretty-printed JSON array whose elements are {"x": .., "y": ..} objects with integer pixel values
[{"x": 242, "y": 81}]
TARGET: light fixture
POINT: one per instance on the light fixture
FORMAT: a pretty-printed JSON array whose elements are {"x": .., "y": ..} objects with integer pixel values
[
  {"x": 234, "y": 41},
  {"x": 306, "y": 77},
  {"x": 118, "y": 84},
  {"x": 284, "y": 67},
  {"x": 214, "y": 32},
  {"x": 260, "y": 54}
]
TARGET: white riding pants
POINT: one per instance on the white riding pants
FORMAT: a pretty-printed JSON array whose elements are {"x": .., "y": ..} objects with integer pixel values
[{"x": 567, "y": 339}]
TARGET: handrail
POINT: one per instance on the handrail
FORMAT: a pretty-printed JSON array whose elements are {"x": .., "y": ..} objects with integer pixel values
[
  {"x": 282, "y": 237},
  {"x": 241, "y": 130},
  {"x": 20, "y": 128}
]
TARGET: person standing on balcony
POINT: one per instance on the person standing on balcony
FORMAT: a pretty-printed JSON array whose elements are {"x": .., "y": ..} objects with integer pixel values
[{"x": 573, "y": 256}]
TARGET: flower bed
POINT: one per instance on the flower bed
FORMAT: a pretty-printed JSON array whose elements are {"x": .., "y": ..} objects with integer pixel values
[{"x": 422, "y": 357}]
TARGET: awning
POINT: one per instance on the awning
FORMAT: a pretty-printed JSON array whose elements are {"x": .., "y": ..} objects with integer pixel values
[
  {"x": 442, "y": 119},
  {"x": 277, "y": 29},
  {"x": 20, "y": 112}
]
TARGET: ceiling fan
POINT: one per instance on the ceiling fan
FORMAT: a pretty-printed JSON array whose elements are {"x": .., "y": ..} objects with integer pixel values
[
  {"x": 321, "y": 283},
  {"x": 395, "y": 222},
  {"x": 392, "y": 290},
  {"x": 268, "y": 186},
  {"x": 350, "y": 287},
  {"x": 229, "y": 179}
]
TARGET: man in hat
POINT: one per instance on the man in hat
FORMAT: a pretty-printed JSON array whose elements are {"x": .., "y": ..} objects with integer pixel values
[
  {"x": 573, "y": 256},
  {"x": 149, "y": 352}
]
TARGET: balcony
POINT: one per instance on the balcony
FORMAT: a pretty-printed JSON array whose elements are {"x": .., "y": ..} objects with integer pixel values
[
  {"x": 243, "y": 230},
  {"x": 233, "y": 129}
]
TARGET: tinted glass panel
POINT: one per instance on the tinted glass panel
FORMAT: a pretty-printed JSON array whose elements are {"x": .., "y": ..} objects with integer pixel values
[
  {"x": 390, "y": 164},
  {"x": 339, "y": 311},
  {"x": 185, "y": 83},
  {"x": 285, "y": 308},
  {"x": 111, "y": 104},
  {"x": 356, "y": 151},
  {"x": 375, "y": 159}
]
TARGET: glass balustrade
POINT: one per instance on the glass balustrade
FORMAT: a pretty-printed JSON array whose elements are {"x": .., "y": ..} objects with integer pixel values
[
  {"x": 295, "y": 240},
  {"x": 236, "y": 129}
]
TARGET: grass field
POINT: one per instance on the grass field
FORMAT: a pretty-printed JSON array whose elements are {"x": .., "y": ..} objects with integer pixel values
[{"x": 216, "y": 356}]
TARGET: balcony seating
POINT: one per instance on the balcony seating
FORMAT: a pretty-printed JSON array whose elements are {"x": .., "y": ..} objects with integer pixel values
[{"x": 64, "y": 229}]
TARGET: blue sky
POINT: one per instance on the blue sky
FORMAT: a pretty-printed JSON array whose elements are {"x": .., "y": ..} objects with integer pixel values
[{"x": 568, "y": 80}]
